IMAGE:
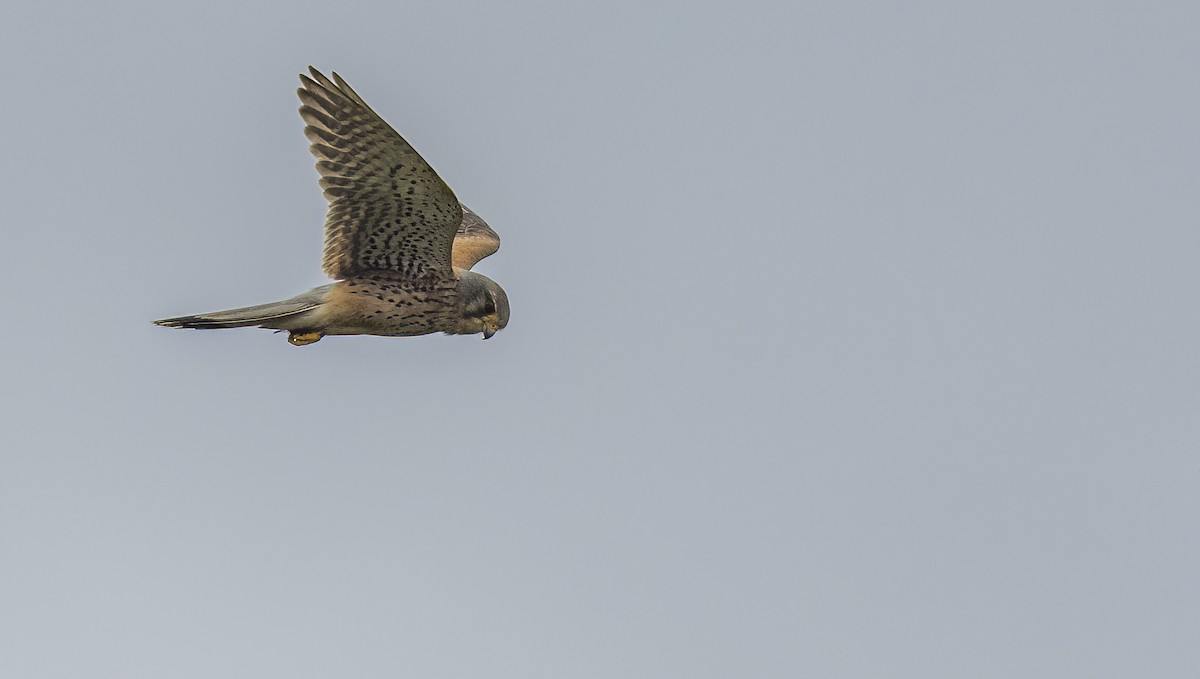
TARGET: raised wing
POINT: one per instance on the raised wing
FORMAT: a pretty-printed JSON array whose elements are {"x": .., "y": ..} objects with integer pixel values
[
  {"x": 473, "y": 241},
  {"x": 388, "y": 209}
]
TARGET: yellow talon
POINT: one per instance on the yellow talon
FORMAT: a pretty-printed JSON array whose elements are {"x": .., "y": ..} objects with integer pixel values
[{"x": 303, "y": 338}]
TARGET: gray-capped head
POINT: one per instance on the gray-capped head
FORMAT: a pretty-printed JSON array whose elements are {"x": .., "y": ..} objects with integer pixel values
[{"x": 482, "y": 304}]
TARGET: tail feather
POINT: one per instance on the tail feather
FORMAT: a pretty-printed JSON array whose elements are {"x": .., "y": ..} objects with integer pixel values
[{"x": 251, "y": 315}]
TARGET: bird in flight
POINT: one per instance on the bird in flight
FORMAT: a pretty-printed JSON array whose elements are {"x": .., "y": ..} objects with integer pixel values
[{"x": 397, "y": 240}]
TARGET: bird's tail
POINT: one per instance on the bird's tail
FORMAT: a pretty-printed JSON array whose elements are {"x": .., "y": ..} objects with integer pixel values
[{"x": 266, "y": 315}]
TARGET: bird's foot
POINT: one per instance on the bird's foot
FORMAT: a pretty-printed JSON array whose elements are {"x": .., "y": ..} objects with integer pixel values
[{"x": 303, "y": 338}]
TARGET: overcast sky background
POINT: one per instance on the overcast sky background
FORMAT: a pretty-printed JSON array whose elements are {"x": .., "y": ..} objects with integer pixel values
[{"x": 848, "y": 340}]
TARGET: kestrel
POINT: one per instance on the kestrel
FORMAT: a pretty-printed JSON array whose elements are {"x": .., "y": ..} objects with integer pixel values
[{"x": 396, "y": 238}]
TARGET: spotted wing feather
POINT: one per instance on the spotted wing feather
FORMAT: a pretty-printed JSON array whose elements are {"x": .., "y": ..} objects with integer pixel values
[{"x": 388, "y": 209}]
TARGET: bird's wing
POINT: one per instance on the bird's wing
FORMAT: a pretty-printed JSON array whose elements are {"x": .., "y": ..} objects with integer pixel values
[
  {"x": 388, "y": 209},
  {"x": 473, "y": 241}
]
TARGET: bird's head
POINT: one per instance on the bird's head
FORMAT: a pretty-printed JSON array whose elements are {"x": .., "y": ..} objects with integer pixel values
[{"x": 482, "y": 304}]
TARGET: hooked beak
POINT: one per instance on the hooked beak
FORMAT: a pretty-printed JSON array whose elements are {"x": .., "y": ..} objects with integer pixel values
[{"x": 488, "y": 331}]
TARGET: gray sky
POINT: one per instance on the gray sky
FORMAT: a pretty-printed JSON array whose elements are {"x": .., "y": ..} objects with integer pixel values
[{"x": 848, "y": 340}]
